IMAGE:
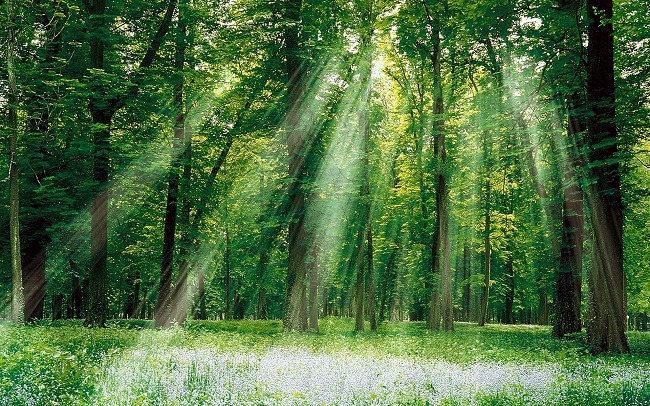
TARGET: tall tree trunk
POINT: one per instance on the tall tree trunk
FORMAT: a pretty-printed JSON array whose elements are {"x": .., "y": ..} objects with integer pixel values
[
  {"x": 569, "y": 282},
  {"x": 101, "y": 118},
  {"x": 17, "y": 297},
  {"x": 467, "y": 269},
  {"x": 297, "y": 145},
  {"x": 262, "y": 311},
  {"x": 359, "y": 296},
  {"x": 133, "y": 297},
  {"x": 510, "y": 288},
  {"x": 442, "y": 192},
  {"x": 365, "y": 278},
  {"x": 568, "y": 287},
  {"x": 372, "y": 311},
  {"x": 102, "y": 109},
  {"x": 179, "y": 294},
  {"x": 313, "y": 295},
  {"x": 164, "y": 302},
  {"x": 77, "y": 296},
  {"x": 607, "y": 316},
  {"x": 226, "y": 261},
  {"x": 488, "y": 253}
]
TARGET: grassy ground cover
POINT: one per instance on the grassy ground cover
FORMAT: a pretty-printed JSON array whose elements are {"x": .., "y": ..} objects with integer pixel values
[{"x": 255, "y": 363}]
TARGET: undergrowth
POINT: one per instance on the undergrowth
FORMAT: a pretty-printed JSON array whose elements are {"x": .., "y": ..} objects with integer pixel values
[{"x": 255, "y": 362}]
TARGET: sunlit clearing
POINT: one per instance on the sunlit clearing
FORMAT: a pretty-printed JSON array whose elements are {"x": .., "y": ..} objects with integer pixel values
[{"x": 299, "y": 376}]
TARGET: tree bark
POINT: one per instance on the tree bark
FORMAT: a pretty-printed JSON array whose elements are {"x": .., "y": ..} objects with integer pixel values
[
  {"x": 607, "y": 316},
  {"x": 17, "y": 295},
  {"x": 488, "y": 253},
  {"x": 179, "y": 294},
  {"x": 226, "y": 261},
  {"x": 359, "y": 296},
  {"x": 510, "y": 289},
  {"x": 297, "y": 145},
  {"x": 569, "y": 282},
  {"x": 467, "y": 269},
  {"x": 164, "y": 302}
]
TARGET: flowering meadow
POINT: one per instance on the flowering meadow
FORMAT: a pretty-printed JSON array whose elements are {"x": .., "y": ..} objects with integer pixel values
[{"x": 255, "y": 363}]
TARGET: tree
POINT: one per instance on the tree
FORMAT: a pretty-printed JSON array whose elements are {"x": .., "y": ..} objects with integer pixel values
[
  {"x": 164, "y": 310},
  {"x": 295, "y": 317},
  {"x": 607, "y": 314},
  {"x": 102, "y": 108},
  {"x": 17, "y": 298}
]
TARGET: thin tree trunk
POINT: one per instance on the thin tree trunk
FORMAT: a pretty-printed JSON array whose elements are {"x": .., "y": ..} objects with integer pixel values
[
  {"x": 17, "y": 297},
  {"x": 467, "y": 269},
  {"x": 488, "y": 252},
  {"x": 226, "y": 260},
  {"x": 164, "y": 303},
  {"x": 510, "y": 288},
  {"x": 325, "y": 300},
  {"x": 201, "y": 315},
  {"x": 360, "y": 284},
  {"x": 313, "y": 299},
  {"x": 179, "y": 294},
  {"x": 372, "y": 311},
  {"x": 77, "y": 296},
  {"x": 388, "y": 274}
]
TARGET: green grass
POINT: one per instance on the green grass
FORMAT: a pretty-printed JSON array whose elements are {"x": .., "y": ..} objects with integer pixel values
[{"x": 255, "y": 362}]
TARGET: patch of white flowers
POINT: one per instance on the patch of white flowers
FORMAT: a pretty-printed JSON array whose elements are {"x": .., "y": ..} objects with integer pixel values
[{"x": 282, "y": 376}]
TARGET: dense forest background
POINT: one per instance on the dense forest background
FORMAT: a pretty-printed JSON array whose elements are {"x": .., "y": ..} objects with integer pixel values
[{"x": 383, "y": 160}]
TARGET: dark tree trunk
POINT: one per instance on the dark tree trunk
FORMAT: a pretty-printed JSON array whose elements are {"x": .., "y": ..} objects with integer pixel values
[
  {"x": 164, "y": 302},
  {"x": 262, "y": 264},
  {"x": 227, "y": 288},
  {"x": 388, "y": 274},
  {"x": 467, "y": 269},
  {"x": 33, "y": 271},
  {"x": 102, "y": 109},
  {"x": 262, "y": 311},
  {"x": 569, "y": 283},
  {"x": 101, "y": 117},
  {"x": 607, "y": 316},
  {"x": 133, "y": 296},
  {"x": 487, "y": 265},
  {"x": 297, "y": 145},
  {"x": 57, "y": 306},
  {"x": 179, "y": 293},
  {"x": 442, "y": 193},
  {"x": 510, "y": 290}
]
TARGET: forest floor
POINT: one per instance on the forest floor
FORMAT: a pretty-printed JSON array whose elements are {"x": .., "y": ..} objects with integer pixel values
[{"x": 255, "y": 363}]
